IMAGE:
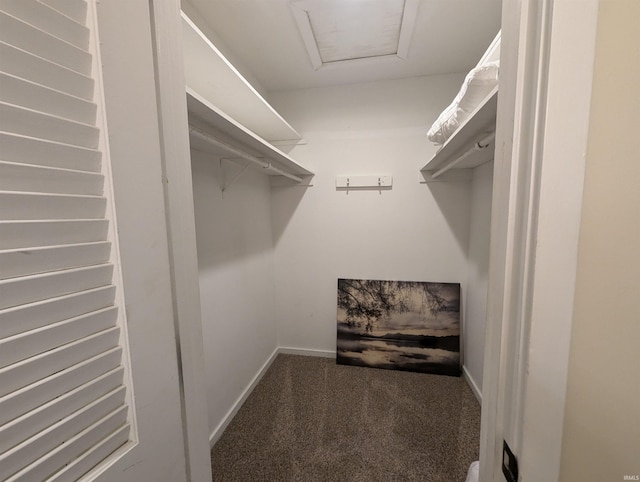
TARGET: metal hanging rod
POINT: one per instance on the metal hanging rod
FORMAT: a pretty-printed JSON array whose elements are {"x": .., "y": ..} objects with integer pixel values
[
  {"x": 482, "y": 143},
  {"x": 234, "y": 150}
]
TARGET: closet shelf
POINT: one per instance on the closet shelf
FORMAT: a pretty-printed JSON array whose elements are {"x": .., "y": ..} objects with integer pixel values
[
  {"x": 213, "y": 77},
  {"x": 216, "y": 133},
  {"x": 471, "y": 144}
]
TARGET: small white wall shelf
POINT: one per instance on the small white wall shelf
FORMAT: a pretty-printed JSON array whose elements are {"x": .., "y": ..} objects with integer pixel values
[
  {"x": 363, "y": 182},
  {"x": 471, "y": 144},
  {"x": 214, "y": 132},
  {"x": 213, "y": 77}
]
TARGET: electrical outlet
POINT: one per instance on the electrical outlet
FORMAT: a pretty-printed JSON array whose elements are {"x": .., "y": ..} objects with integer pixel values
[{"x": 509, "y": 463}]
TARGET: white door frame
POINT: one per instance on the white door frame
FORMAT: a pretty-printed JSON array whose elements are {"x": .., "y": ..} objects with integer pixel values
[
  {"x": 527, "y": 296},
  {"x": 183, "y": 257},
  {"x": 162, "y": 319},
  {"x": 542, "y": 130}
]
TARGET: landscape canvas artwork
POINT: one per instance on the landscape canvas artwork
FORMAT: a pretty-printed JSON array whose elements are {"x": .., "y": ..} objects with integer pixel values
[{"x": 399, "y": 325}]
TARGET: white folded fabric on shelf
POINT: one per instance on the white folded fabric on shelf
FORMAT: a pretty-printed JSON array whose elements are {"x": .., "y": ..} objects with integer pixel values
[{"x": 477, "y": 85}]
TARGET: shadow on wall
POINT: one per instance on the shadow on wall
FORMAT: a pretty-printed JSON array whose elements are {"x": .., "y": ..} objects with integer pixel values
[
  {"x": 289, "y": 197},
  {"x": 234, "y": 225},
  {"x": 443, "y": 193}
]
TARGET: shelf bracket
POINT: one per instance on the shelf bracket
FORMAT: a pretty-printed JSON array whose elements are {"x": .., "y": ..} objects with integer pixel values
[
  {"x": 226, "y": 185},
  {"x": 195, "y": 131}
]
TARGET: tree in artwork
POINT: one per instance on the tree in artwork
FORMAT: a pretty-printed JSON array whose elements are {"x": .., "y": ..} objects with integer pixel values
[{"x": 366, "y": 301}]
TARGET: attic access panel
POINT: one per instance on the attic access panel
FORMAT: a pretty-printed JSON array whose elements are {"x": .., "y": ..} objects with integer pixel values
[{"x": 339, "y": 31}]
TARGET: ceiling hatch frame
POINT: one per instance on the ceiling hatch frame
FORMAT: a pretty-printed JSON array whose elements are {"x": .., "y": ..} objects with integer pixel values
[{"x": 301, "y": 9}]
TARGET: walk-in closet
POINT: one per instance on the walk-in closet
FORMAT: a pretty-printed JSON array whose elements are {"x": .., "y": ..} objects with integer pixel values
[
  {"x": 295, "y": 188},
  {"x": 319, "y": 240}
]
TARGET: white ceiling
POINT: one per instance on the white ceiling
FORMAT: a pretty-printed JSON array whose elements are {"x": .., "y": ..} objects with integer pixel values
[{"x": 449, "y": 36}]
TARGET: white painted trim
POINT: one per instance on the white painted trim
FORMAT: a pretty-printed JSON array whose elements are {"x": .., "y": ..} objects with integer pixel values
[
  {"x": 472, "y": 384},
  {"x": 550, "y": 301},
  {"x": 219, "y": 430},
  {"x": 538, "y": 175},
  {"x": 407, "y": 26},
  {"x": 306, "y": 32},
  {"x": 178, "y": 193},
  {"x": 523, "y": 24},
  {"x": 530, "y": 111},
  {"x": 111, "y": 215},
  {"x": 306, "y": 352}
]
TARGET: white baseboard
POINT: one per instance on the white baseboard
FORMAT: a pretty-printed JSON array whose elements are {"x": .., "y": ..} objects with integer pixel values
[
  {"x": 218, "y": 431},
  {"x": 306, "y": 352},
  {"x": 472, "y": 384}
]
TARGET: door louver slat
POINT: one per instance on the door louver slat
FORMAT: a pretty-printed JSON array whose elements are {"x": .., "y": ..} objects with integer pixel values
[
  {"x": 23, "y": 318},
  {"x": 28, "y": 344},
  {"x": 31, "y": 234},
  {"x": 24, "y": 177},
  {"x": 27, "y": 371},
  {"x": 26, "y": 426},
  {"x": 29, "y": 122},
  {"x": 64, "y": 401},
  {"x": 27, "y": 37},
  {"x": 41, "y": 71},
  {"x": 45, "y": 441},
  {"x": 100, "y": 430},
  {"x": 92, "y": 457},
  {"x": 40, "y": 152},
  {"x": 24, "y": 262},
  {"x": 36, "y": 206},
  {"x": 74, "y": 9},
  {"x": 25, "y": 93},
  {"x": 45, "y": 18},
  {"x": 21, "y": 401},
  {"x": 30, "y": 289}
]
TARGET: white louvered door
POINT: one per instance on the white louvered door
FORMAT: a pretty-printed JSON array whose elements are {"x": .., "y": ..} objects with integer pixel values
[{"x": 64, "y": 403}]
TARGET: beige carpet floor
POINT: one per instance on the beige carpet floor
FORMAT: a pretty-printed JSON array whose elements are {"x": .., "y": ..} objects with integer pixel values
[{"x": 312, "y": 420}]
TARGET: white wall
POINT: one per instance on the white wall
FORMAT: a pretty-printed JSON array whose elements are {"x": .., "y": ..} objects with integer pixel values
[
  {"x": 411, "y": 232},
  {"x": 602, "y": 411},
  {"x": 475, "y": 306},
  {"x": 235, "y": 261}
]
